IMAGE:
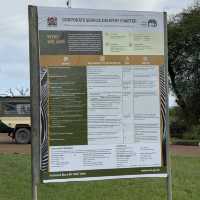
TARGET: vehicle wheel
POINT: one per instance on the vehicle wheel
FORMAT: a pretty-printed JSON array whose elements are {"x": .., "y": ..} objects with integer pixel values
[{"x": 23, "y": 136}]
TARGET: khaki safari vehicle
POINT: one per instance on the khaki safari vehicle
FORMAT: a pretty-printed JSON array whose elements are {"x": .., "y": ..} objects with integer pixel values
[{"x": 15, "y": 118}]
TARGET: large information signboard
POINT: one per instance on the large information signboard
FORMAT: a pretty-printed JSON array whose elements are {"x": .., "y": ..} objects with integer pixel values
[{"x": 103, "y": 94}]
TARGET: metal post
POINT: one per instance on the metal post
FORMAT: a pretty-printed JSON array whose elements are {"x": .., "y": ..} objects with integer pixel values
[
  {"x": 34, "y": 192},
  {"x": 169, "y": 177},
  {"x": 35, "y": 101},
  {"x": 69, "y": 3}
]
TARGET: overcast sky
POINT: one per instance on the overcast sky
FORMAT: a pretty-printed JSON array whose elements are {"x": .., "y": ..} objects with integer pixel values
[{"x": 14, "y": 56}]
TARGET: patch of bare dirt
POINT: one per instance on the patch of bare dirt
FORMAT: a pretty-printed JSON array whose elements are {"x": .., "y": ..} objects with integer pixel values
[
  {"x": 185, "y": 150},
  {"x": 7, "y": 146}
]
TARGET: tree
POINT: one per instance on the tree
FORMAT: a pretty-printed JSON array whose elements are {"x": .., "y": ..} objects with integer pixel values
[
  {"x": 17, "y": 92},
  {"x": 184, "y": 61},
  {"x": 22, "y": 91},
  {"x": 10, "y": 92}
]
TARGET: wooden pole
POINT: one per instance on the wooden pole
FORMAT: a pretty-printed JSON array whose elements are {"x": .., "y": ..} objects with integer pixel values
[{"x": 35, "y": 98}]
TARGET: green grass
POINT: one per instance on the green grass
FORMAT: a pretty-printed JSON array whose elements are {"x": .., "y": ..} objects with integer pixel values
[{"x": 15, "y": 184}]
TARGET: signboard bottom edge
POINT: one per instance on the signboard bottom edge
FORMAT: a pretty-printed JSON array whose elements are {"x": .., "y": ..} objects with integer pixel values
[{"x": 163, "y": 175}]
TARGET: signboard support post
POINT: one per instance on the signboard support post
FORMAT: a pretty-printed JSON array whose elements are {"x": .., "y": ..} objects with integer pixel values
[
  {"x": 169, "y": 177},
  {"x": 35, "y": 101}
]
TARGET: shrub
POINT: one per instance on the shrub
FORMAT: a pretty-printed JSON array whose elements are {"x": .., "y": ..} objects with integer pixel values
[
  {"x": 193, "y": 134},
  {"x": 177, "y": 128}
]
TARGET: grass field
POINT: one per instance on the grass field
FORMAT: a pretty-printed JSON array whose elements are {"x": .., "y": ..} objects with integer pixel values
[{"x": 15, "y": 184}]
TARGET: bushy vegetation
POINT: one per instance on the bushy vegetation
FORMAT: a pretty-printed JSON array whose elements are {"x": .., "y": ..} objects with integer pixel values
[
  {"x": 184, "y": 72},
  {"x": 180, "y": 127},
  {"x": 184, "y": 61}
]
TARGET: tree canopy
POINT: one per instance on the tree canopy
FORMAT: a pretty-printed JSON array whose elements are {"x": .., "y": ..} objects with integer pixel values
[{"x": 184, "y": 61}]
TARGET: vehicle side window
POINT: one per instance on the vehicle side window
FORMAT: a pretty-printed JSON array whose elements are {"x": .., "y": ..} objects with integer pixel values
[{"x": 16, "y": 108}]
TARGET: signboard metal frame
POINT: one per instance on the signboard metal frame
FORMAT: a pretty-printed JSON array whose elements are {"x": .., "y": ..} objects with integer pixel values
[{"x": 35, "y": 102}]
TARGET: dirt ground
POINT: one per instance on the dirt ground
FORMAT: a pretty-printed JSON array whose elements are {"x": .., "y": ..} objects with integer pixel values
[
  {"x": 185, "y": 150},
  {"x": 7, "y": 146}
]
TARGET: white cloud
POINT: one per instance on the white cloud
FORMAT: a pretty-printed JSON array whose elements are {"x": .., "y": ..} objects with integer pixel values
[
  {"x": 116, "y": 4},
  {"x": 14, "y": 57},
  {"x": 14, "y": 75},
  {"x": 172, "y": 101},
  {"x": 173, "y": 7},
  {"x": 151, "y": 5},
  {"x": 102, "y": 4}
]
